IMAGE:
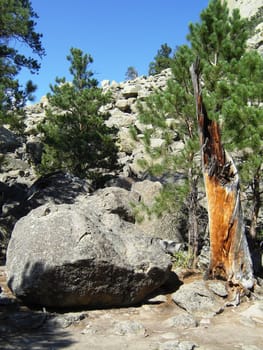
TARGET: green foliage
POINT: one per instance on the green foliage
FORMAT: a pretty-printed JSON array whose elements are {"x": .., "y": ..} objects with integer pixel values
[
  {"x": 242, "y": 117},
  {"x": 232, "y": 83},
  {"x": 232, "y": 91},
  {"x": 140, "y": 211},
  {"x": 131, "y": 73},
  {"x": 17, "y": 23},
  {"x": 219, "y": 38},
  {"x": 171, "y": 198},
  {"x": 182, "y": 259},
  {"x": 174, "y": 104},
  {"x": 161, "y": 61},
  {"x": 75, "y": 135}
]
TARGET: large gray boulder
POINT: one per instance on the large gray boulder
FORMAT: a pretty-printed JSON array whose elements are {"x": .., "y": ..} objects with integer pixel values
[{"x": 87, "y": 253}]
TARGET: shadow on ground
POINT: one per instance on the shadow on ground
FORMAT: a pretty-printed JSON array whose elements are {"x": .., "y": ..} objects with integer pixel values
[
  {"x": 22, "y": 328},
  {"x": 25, "y": 328}
]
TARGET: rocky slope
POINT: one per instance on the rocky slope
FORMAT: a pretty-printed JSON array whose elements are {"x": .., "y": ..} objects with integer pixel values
[
  {"x": 123, "y": 114},
  {"x": 249, "y": 8}
]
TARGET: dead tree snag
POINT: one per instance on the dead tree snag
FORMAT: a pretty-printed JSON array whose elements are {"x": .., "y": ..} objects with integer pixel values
[{"x": 229, "y": 253}]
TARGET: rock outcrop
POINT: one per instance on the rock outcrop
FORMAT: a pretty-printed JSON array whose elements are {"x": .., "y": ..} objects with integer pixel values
[
  {"x": 88, "y": 253},
  {"x": 249, "y": 8}
]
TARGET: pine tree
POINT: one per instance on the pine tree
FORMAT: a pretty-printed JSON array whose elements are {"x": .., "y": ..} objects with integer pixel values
[
  {"x": 131, "y": 73},
  {"x": 242, "y": 120},
  {"x": 233, "y": 90},
  {"x": 229, "y": 252},
  {"x": 161, "y": 61},
  {"x": 220, "y": 41},
  {"x": 75, "y": 135},
  {"x": 17, "y": 23}
]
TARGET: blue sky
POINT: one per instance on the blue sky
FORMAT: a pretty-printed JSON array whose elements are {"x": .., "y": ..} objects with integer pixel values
[{"x": 117, "y": 34}]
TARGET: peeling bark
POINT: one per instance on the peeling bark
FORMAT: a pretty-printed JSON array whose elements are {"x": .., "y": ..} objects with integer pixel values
[{"x": 229, "y": 253}]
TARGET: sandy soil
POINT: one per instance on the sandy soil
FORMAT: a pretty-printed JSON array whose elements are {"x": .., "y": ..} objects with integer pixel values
[{"x": 144, "y": 327}]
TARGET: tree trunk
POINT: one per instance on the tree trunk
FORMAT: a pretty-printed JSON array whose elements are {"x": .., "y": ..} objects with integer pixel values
[
  {"x": 229, "y": 253},
  {"x": 193, "y": 234},
  {"x": 256, "y": 203}
]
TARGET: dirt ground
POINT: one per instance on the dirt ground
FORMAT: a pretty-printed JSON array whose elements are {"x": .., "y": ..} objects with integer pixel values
[{"x": 148, "y": 326}]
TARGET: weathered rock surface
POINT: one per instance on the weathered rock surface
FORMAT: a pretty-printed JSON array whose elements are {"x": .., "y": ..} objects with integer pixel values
[
  {"x": 197, "y": 298},
  {"x": 247, "y": 8},
  {"x": 18, "y": 198},
  {"x": 181, "y": 320},
  {"x": 84, "y": 254}
]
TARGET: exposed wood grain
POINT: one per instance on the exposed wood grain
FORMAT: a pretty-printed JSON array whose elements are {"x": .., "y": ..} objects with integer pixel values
[{"x": 229, "y": 254}]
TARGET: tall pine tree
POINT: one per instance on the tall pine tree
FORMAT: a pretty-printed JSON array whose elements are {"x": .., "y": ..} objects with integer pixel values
[
  {"x": 219, "y": 39},
  {"x": 233, "y": 91}
]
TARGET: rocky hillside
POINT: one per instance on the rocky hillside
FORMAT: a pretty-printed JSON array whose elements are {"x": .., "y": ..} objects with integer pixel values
[
  {"x": 21, "y": 191},
  {"x": 20, "y": 154},
  {"x": 123, "y": 113},
  {"x": 249, "y": 8}
]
